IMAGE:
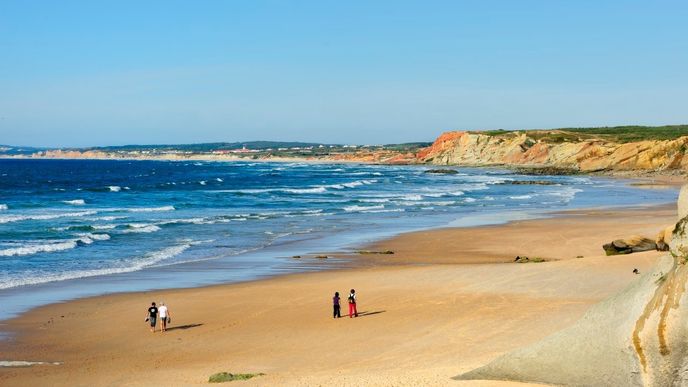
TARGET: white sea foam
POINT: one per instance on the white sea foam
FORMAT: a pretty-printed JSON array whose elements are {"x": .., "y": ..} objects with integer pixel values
[
  {"x": 412, "y": 197},
  {"x": 374, "y": 200},
  {"x": 219, "y": 179},
  {"x": 364, "y": 173},
  {"x": 103, "y": 226},
  {"x": 304, "y": 190},
  {"x": 186, "y": 221},
  {"x": 521, "y": 197},
  {"x": 76, "y": 202},
  {"x": 3, "y": 207},
  {"x": 474, "y": 187},
  {"x": 141, "y": 228},
  {"x": 42, "y": 247},
  {"x": 469, "y": 200},
  {"x": 380, "y": 211},
  {"x": 363, "y": 208},
  {"x": 108, "y": 218},
  {"x": 152, "y": 209},
  {"x": 134, "y": 264},
  {"x": 567, "y": 194},
  {"x": 18, "y": 218},
  {"x": 96, "y": 237},
  {"x": 115, "y": 188},
  {"x": 31, "y": 249},
  {"x": 202, "y": 182},
  {"x": 436, "y": 194},
  {"x": 353, "y": 184}
]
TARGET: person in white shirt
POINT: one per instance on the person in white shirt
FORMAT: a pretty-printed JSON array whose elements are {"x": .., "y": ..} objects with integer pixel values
[
  {"x": 165, "y": 316},
  {"x": 352, "y": 304}
]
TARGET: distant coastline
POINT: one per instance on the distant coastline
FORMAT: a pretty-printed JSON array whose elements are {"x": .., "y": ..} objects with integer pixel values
[{"x": 632, "y": 151}]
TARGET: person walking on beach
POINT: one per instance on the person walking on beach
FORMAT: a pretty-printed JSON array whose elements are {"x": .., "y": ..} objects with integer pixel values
[
  {"x": 165, "y": 316},
  {"x": 336, "y": 312},
  {"x": 152, "y": 316},
  {"x": 352, "y": 304}
]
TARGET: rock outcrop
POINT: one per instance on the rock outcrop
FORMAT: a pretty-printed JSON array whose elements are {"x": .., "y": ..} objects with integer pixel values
[
  {"x": 664, "y": 238},
  {"x": 529, "y": 150},
  {"x": 634, "y": 244},
  {"x": 635, "y": 338}
]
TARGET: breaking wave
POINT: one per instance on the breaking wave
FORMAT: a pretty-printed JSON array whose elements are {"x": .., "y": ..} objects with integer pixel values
[
  {"x": 152, "y": 209},
  {"x": 76, "y": 202},
  {"x": 130, "y": 265},
  {"x": 18, "y": 218},
  {"x": 42, "y": 247},
  {"x": 141, "y": 228}
]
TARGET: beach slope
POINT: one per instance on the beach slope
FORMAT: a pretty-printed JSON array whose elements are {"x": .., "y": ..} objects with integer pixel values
[{"x": 434, "y": 312}]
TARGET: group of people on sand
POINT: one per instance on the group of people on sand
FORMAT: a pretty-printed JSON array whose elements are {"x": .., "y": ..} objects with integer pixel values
[
  {"x": 162, "y": 313},
  {"x": 156, "y": 313},
  {"x": 336, "y": 312}
]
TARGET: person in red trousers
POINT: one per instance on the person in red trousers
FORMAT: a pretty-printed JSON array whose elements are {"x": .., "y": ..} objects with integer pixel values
[{"x": 352, "y": 304}]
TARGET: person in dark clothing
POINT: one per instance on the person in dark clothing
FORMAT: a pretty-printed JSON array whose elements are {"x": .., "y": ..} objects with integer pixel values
[
  {"x": 152, "y": 316},
  {"x": 336, "y": 310}
]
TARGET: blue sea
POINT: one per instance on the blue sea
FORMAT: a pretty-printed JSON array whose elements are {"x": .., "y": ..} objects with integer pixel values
[{"x": 73, "y": 228}]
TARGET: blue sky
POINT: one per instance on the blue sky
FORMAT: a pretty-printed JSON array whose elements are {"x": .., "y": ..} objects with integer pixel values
[{"x": 82, "y": 73}]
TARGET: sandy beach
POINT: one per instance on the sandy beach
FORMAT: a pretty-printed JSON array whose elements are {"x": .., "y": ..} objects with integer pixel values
[{"x": 448, "y": 301}]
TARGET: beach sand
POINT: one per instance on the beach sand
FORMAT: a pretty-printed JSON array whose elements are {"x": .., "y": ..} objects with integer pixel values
[{"x": 447, "y": 301}]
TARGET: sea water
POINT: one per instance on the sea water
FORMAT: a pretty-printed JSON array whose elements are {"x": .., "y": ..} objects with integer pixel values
[{"x": 71, "y": 228}]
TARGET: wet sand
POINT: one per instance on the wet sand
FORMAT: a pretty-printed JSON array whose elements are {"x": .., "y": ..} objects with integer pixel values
[{"x": 447, "y": 301}]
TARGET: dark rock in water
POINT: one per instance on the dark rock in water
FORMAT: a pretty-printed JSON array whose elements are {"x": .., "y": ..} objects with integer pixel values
[
  {"x": 296, "y": 256},
  {"x": 321, "y": 256},
  {"x": 547, "y": 171},
  {"x": 528, "y": 182},
  {"x": 443, "y": 171},
  {"x": 630, "y": 245},
  {"x": 375, "y": 252}
]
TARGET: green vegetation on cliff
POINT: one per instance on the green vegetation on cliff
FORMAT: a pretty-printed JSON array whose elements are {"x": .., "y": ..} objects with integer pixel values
[{"x": 618, "y": 134}]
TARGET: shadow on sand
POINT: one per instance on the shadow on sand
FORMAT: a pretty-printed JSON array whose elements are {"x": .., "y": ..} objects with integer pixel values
[
  {"x": 187, "y": 326},
  {"x": 366, "y": 313}
]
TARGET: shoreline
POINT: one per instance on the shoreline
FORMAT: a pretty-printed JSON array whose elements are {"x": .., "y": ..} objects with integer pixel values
[
  {"x": 671, "y": 177},
  {"x": 30, "y": 328},
  {"x": 345, "y": 256}
]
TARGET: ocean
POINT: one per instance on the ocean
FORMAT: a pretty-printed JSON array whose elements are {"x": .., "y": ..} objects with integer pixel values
[{"x": 74, "y": 228}]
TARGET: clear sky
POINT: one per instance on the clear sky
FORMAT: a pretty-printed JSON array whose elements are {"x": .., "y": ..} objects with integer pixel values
[{"x": 82, "y": 73}]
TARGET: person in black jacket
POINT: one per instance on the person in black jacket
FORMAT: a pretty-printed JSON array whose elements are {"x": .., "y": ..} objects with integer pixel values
[
  {"x": 152, "y": 316},
  {"x": 336, "y": 309}
]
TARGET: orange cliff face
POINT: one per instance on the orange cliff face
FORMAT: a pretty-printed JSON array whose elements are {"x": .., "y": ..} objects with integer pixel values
[
  {"x": 444, "y": 142},
  {"x": 521, "y": 149}
]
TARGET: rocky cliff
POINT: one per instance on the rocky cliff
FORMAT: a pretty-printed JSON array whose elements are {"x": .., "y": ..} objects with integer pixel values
[{"x": 556, "y": 149}]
